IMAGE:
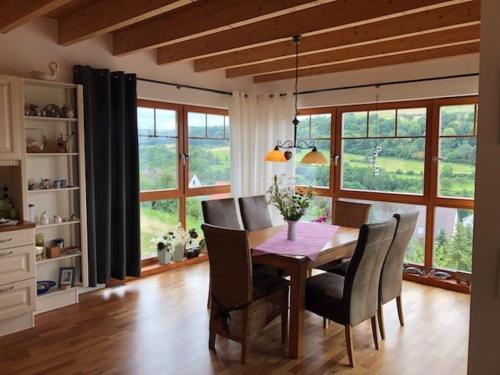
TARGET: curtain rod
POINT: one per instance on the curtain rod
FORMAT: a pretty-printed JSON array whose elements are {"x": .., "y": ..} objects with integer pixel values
[{"x": 222, "y": 92}]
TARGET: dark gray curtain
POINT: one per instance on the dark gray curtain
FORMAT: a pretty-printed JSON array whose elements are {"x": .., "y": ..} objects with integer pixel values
[{"x": 112, "y": 173}]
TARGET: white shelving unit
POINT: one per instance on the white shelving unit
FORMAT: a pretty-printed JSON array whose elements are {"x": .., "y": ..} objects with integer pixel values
[{"x": 63, "y": 202}]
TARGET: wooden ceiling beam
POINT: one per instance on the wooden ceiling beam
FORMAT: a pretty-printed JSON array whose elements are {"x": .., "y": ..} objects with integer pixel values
[
  {"x": 197, "y": 19},
  {"x": 337, "y": 14},
  {"x": 403, "y": 58},
  {"x": 108, "y": 15},
  {"x": 14, "y": 13},
  {"x": 436, "y": 19},
  {"x": 410, "y": 43}
]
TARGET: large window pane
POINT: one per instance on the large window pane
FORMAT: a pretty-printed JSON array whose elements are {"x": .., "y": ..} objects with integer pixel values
[
  {"x": 453, "y": 239},
  {"x": 157, "y": 149},
  {"x": 317, "y": 129},
  {"x": 387, "y": 165},
  {"x": 157, "y": 219},
  {"x": 382, "y": 211},
  {"x": 209, "y": 154}
]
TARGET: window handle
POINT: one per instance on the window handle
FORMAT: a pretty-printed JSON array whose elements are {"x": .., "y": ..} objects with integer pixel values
[
  {"x": 336, "y": 159},
  {"x": 184, "y": 157},
  {"x": 437, "y": 158}
]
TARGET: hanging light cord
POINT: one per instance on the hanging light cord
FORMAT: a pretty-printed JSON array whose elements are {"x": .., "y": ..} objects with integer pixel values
[{"x": 296, "y": 39}]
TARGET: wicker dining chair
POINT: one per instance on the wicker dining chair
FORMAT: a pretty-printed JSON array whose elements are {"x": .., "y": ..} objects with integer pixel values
[
  {"x": 353, "y": 299},
  {"x": 350, "y": 214},
  {"x": 242, "y": 305},
  {"x": 391, "y": 277},
  {"x": 254, "y": 213}
]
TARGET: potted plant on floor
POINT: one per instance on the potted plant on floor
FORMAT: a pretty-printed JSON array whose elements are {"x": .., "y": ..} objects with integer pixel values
[{"x": 291, "y": 202}]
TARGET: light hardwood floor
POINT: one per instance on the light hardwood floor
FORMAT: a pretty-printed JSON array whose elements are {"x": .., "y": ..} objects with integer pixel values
[{"x": 158, "y": 325}]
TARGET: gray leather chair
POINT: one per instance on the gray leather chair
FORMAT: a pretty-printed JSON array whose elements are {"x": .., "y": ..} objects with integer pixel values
[
  {"x": 254, "y": 213},
  {"x": 391, "y": 277},
  {"x": 352, "y": 299},
  {"x": 221, "y": 213}
]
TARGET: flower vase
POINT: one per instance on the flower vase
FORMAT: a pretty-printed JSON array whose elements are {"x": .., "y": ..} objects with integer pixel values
[
  {"x": 164, "y": 256},
  {"x": 292, "y": 225},
  {"x": 179, "y": 252}
]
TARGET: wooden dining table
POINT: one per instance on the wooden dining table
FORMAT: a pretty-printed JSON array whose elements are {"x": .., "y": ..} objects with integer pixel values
[{"x": 341, "y": 245}]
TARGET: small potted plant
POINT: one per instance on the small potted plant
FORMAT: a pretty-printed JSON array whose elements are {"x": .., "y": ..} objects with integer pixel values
[
  {"x": 164, "y": 248},
  {"x": 291, "y": 202}
]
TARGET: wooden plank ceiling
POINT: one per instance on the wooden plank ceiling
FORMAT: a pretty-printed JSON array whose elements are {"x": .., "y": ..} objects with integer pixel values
[{"x": 253, "y": 37}]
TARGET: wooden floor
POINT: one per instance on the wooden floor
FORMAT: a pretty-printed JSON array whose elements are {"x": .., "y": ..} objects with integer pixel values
[{"x": 158, "y": 325}]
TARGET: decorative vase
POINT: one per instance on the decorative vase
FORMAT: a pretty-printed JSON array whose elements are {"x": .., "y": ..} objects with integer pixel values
[
  {"x": 164, "y": 256},
  {"x": 178, "y": 252},
  {"x": 292, "y": 224}
]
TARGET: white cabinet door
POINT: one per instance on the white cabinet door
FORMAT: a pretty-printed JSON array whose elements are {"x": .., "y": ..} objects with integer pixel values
[{"x": 9, "y": 118}]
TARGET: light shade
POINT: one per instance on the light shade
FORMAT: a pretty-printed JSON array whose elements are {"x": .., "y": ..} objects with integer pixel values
[
  {"x": 314, "y": 157},
  {"x": 276, "y": 156}
]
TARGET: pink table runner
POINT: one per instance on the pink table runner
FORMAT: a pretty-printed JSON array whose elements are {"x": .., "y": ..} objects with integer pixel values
[{"x": 310, "y": 239}]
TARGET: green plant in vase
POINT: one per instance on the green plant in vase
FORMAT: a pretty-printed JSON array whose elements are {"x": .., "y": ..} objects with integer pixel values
[{"x": 292, "y": 202}]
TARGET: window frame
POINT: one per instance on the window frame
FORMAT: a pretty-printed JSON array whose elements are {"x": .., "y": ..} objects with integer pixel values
[
  {"x": 430, "y": 198},
  {"x": 183, "y": 191}
]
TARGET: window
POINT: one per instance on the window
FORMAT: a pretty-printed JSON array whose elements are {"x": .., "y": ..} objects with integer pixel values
[
  {"x": 158, "y": 140},
  {"x": 183, "y": 158},
  {"x": 457, "y": 150},
  {"x": 384, "y": 150},
  {"x": 157, "y": 217},
  {"x": 404, "y": 156},
  {"x": 315, "y": 128},
  {"x": 208, "y": 149},
  {"x": 453, "y": 238}
]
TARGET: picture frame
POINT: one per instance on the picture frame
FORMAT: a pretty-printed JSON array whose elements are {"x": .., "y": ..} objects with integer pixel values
[{"x": 66, "y": 277}]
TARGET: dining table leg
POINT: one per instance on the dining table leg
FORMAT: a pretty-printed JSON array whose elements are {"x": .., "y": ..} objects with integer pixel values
[{"x": 298, "y": 275}]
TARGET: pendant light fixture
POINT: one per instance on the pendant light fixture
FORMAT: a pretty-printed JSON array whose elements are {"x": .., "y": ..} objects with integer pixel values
[{"x": 312, "y": 157}]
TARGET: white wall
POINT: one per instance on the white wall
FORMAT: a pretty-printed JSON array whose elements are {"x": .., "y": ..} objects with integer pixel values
[
  {"x": 33, "y": 46},
  {"x": 484, "y": 349},
  {"x": 433, "y": 89}
]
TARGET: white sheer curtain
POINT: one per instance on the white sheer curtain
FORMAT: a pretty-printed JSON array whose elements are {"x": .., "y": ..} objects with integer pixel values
[{"x": 257, "y": 122}]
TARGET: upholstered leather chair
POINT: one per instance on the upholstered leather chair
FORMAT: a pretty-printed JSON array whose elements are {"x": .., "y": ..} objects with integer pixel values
[
  {"x": 347, "y": 214},
  {"x": 221, "y": 212},
  {"x": 352, "y": 299},
  {"x": 391, "y": 277},
  {"x": 242, "y": 305},
  {"x": 254, "y": 213}
]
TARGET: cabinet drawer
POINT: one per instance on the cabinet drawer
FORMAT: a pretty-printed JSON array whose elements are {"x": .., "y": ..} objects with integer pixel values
[
  {"x": 17, "y": 298},
  {"x": 17, "y": 264},
  {"x": 17, "y": 238}
]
